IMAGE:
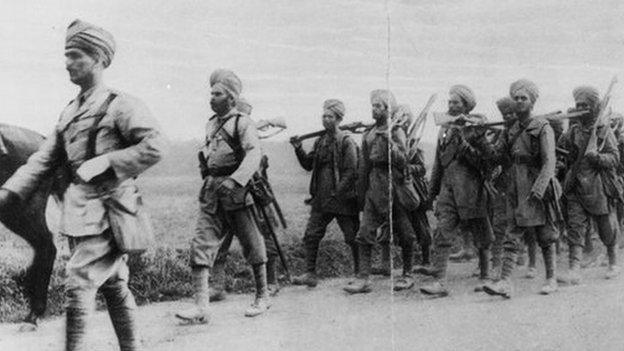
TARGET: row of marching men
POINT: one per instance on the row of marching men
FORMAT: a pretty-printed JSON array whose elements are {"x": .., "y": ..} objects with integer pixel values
[{"x": 528, "y": 181}]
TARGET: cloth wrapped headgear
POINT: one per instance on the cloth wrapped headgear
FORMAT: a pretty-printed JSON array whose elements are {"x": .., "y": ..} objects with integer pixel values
[
  {"x": 465, "y": 94},
  {"x": 228, "y": 81},
  {"x": 587, "y": 92},
  {"x": 335, "y": 107},
  {"x": 91, "y": 39},
  {"x": 242, "y": 105},
  {"x": 526, "y": 86},
  {"x": 505, "y": 104},
  {"x": 386, "y": 97}
]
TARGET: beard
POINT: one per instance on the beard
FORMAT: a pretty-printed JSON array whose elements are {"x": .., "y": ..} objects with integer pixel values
[{"x": 220, "y": 108}]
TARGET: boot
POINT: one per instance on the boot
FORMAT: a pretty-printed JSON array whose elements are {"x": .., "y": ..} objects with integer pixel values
[
  {"x": 503, "y": 286},
  {"x": 574, "y": 273},
  {"x": 613, "y": 270},
  {"x": 262, "y": 301},
  {"x": 78, "y": 309},
  {"x": 273, "y": 285},
  {"x": 310, "y": 279},
  {"x": 440, "y": 263},
  {"x": 404, "y": 282},
  {"x": 122, "y": 311},
  {"x": 198, "y": 314},
  {"x": 484, "y": 269},
  {"x": 356, "y": 259},
  {"x": 385, "y": 269},
  {"x": 532, "y": 253},
  {"x": 362, "y": 284},
  {"x": 550, "y": 264}
]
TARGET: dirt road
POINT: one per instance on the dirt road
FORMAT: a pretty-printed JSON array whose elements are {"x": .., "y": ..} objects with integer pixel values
[{"x": 587, "y": 317}]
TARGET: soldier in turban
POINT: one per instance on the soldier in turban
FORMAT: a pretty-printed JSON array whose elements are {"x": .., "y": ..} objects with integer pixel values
[
  {"x": 533, "y": 191},
  {"x": 102, "y": 167},
  {"x": 590, "y": 185},
  {"x": 333, "y": 162},
  {"x": 231, "y": 156},
  {"x": 382, "y": 148},
  {"x": 457, "y": 182}
]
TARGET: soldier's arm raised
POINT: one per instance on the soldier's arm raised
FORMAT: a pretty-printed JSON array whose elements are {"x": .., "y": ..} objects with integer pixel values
[
  {"x": 141, "y": 131},
  {"x": 549, "y": 161}
]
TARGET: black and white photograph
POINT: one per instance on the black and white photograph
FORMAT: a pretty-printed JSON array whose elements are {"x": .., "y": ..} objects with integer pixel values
[{"x": 311, "y": 175}]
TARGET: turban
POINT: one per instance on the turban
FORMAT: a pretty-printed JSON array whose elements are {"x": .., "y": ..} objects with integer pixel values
[
  {"x": 242, "y": 105},
  {"x": 92, "y": 39},
  {"x": 524, "y": 85},
  {"x": 586, "y": 92},
  {"x": 384, "y": 96},
  {"x": 335, "y": 107},
  {"x": 227, "y": 80},
  {"x": 505, "y": 104},
  {"x": 465, "y": 94},
  {"x": 616, "y": 116}
]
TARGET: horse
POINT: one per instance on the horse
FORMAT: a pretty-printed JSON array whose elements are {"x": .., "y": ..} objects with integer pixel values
[{"x": 28, "y": 218}]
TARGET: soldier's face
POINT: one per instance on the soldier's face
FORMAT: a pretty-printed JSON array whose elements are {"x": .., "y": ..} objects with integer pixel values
[
  {"x": 379, "y": 110},
  {"x": 330, "y": 122},
  {"x": 80, "y": 65},
  {"x": 220, "y": 100},
  {"x": 508, "y": 113},
  {"x": 455, "y": 105},
  {"x": 584, "y": 104},
  {"x": 523, "y": 102}
]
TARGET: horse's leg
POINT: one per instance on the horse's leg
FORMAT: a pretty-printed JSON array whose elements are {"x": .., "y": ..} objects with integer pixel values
[{"x": 29, "y": 223}]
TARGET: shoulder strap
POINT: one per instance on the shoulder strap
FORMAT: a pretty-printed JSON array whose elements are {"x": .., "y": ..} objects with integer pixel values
[
  {"x": 233, "y": 141},
  {"x": 97, "y": 118}
]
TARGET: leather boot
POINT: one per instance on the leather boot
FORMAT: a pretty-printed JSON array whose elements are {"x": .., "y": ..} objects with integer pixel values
[
  {"x": 503, "y": 286},
  {"x": 262, "y": 301},
  {"x": 440, "y": 263},
  {"x": 613, "y": 270},
  {"x": 79, "y": 306},
  {"x": 198, "y": 314},
  {"x": 550, "y": 264},
  {"x": 574, "y": 273},
  {"x": 385, "y": 268},
  {"x": 362, "y": 284},
  {"x": 122, "y": 311}
]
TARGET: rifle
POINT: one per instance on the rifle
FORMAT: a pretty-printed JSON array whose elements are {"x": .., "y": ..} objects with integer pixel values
[
  {"x": 602, "y": 114},
  {"x": 280, "y": 253},
  {"x": 354, "y": 127},
  {"x": 415, "y": 131},
  {"x": 471, "y": 121}
]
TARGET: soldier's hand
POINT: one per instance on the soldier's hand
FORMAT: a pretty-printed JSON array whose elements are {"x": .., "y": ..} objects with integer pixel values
[
  {"x": 8, "y": 199},
  {"x": 296, "y": 142},
  {"x": 228, "y": 183}
]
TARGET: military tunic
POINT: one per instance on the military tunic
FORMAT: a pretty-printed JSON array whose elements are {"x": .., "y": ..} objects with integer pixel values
[
  {"x": 374, "y": 182},
  {"x": 457, "y": 182},
  {"x": 586, "y": 192},
  {"x": 529, "y": 146},
  {"x": 131, "y": 140},
  {"x": 333, "y": 161},
  {"x": 223, "y": 210}
]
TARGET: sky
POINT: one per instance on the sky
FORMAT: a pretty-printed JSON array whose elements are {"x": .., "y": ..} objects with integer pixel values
[{"x": 292, "y": 54}]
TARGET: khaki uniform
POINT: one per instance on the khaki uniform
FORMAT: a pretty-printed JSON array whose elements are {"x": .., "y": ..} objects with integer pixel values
[
  {"x": 223, "y": 210},
  {"x": 588, "y": 196},
  {"x": 457, "y": 182},
  {"x": 130, "y": 138},
  {"x": 530, "y": 147},
  {"x": 333, "y": 161}
]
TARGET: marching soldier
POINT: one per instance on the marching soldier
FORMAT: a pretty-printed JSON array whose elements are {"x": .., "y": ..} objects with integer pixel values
[
  {"x": 590, "y": 184},
  {"x": 104, "y": 139},
  {"x": 533, "y": 192},
  {"x": 333, "y": 162},
  {"x": 458, "y": 183},
  {"x": 232, "y": 155},
  {"x": 217, "y": 290},
  {"x": 382, "y": 147}
]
